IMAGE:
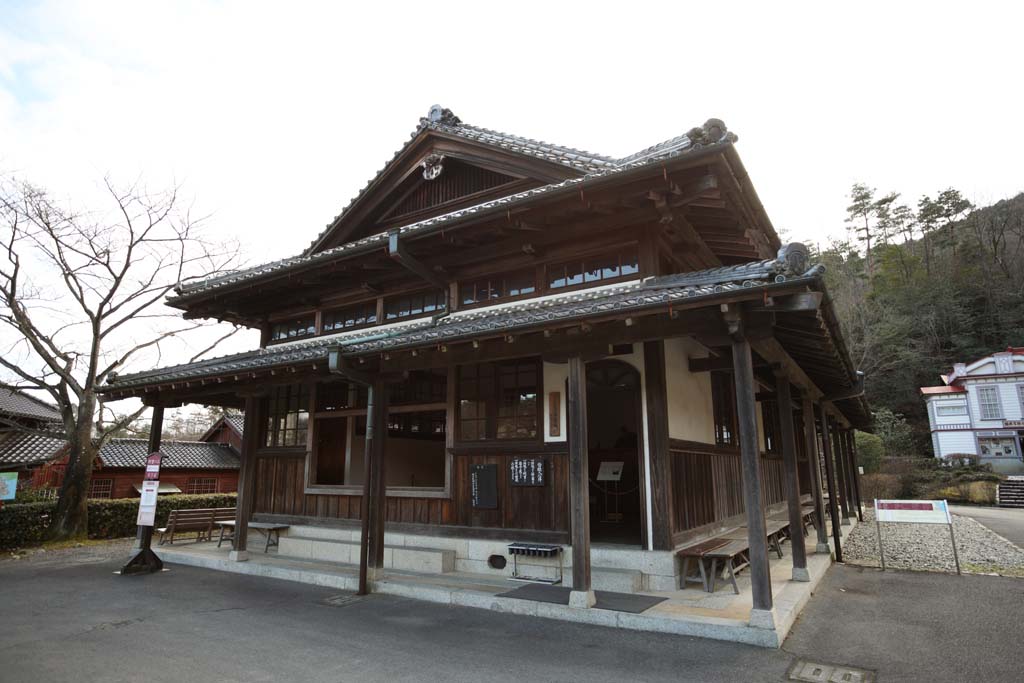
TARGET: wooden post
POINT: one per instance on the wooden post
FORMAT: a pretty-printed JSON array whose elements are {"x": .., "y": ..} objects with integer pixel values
[
  {"x": 796, "y": 527},
  {"x": 811, "y": 442},
  {"x": 146, "y": 561},
  {"x": 657, "y": 444},
  {"x": 851, "y": 434},
  {"x": 830, "y": 475},
  {"x": 246, "y": 478},
  {"x": 374, "y": 487},
  {"x": 840, "y": 456},
  {"x": 579, "y": 484},
  {"x": 750, "y": 456}
]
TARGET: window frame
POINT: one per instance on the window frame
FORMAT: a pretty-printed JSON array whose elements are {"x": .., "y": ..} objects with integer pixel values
[
  {"x": 631, "y": 249},
  {"x": 441, "y": 305},
  {"x": 311, "y": 328},
  {"x": 270, "y": 424},
  {"x": 530, "y": 272},
  {"x": 982, "y": 390},
  {"x": 108, "y": 481},
  {"x": 723, "y": 408},
  {"x": 492, "y": 405},
  {"x": 368, "y": 309},
  {"x": 194, "y": 482}
]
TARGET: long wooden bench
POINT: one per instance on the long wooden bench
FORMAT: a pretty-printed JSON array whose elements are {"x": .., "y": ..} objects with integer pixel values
[
  {"x": 199, "y": 521},
  {"x": 732, "y": 550}
]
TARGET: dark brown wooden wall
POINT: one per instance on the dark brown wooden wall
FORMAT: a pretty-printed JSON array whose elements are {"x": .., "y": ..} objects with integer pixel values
[{"x": 280, "y": 490}]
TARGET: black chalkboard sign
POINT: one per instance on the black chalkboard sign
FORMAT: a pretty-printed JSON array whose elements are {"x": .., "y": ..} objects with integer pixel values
[
  {"x": 527, "y": 471},
  {"x": 483, "y": 483}
]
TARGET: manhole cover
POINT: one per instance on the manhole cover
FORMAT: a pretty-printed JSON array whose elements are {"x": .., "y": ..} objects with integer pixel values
[
  {"x": 342, "y": 600},
  {"x": 814, "y": 672}
]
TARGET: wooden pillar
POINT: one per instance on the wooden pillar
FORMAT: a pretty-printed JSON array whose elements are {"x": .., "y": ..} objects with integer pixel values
[
  {"x": 830, "y": 476},
  {"x": 750, "y": 457},
  {"x": 796, "y": 527},
  {"x": 811, "y": 442},
  {"x": 372, "y": 505},
  {"x": 840, "y": 457},
  {"x": 851, "y": 499},
  {"x": 246, "y": 477},
  {"x": 659, "y": 457},
  {"x": 582, "y": 594},
  {"x": 851, "y": 441}
]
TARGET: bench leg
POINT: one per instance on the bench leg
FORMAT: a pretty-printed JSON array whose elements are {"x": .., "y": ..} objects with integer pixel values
[
  {"x": 270, "y": 533},
  {"x": 686, "y": 573},
  {"x": 221, "y": 539},
  {"x": 714, "y": 574},
  {"x": 732, "y": 576},
  {"x": 778, "y": 545},
  {"x": 703, "y": 574}
]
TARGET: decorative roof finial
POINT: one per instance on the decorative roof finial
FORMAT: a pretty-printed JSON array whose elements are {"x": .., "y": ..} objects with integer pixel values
[{"x": 440, "y": 115}]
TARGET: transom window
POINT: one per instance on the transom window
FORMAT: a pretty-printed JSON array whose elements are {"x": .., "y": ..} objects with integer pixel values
[
  {"x": 594, "y": 269},
  {"x": 287, "y": 417},
  {"x": 951, "y": 410},
  {"x": 498, "y": 287},
  {"x": 724, "y": 407},
  {"x": 356, "y": 315},
  {"x": 498, "y": 400},
  {"x": 199, "y": 485},
  {"x": 293, "y": 329},
  {"x": 413, "y": 305},
  {"x": 988, "y": 403},
  {"x": 101, "y": 488}
]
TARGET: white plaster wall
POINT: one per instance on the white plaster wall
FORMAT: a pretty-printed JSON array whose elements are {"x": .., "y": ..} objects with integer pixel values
[{"x": 690, "y": 413}]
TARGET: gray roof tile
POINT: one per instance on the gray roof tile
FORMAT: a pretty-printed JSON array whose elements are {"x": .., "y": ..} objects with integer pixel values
[
  {"x": 24, "y": 448},
  {"x": 19, "y": 404},
  {"x": 182, "y": 455}
]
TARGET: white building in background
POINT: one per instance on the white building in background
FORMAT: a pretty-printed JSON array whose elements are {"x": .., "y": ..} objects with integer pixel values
[{"x": 980, "y": 410}]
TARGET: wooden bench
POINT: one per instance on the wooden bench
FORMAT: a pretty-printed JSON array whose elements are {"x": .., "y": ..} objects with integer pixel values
[
  {"x": 272, "y": 532},
  {"x": 698, "y": 552},
  {"x": 198, "y": 520}
]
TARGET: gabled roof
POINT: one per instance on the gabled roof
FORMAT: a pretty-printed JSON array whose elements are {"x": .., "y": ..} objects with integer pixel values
[
  {"x": 588, "y": 167},
  {"x": 234, "y": 421},
  {"x": 15, "y": 403},
  {"x": 182, "y": 455},
  {"x": 25, "y": 448}
]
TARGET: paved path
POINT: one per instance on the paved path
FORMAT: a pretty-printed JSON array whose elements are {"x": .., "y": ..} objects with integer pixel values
[
  {"x": 1007, "y": 522},
  {"x": 70, "y": 620}
]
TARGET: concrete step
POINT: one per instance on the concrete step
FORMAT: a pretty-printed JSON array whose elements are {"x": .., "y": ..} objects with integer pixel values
[
  {"x": 405, "y": 558},
  {"x": 617, "y": 580}
]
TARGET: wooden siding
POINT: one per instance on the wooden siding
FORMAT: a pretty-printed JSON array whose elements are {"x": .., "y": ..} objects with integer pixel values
[
  {"x": 457, "y": 180},
  {"x": 280, "y": 490},
  {"x": 707, "y": 486}
]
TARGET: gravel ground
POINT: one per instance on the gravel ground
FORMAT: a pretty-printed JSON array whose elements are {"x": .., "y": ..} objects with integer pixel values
[
  {"x": 926, "y": 547},
  {"x": 75, "y": 553}
]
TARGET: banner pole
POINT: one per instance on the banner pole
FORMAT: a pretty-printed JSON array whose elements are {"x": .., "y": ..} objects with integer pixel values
[
  {"x": 952, "y": 538},
  {"x": 878, "y": 529}
]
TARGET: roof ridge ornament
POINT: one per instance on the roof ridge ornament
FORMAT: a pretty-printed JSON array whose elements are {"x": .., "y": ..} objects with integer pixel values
[
  {"x": 438, "y": 115},
  {"x": 432, "y": 165},
  {"x": 713, "y": 131}
]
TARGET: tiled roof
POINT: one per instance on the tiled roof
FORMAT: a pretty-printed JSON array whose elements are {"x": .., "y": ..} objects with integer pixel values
[
  {"x": 131, "y": 453},
  {"x": 927, "y": 391},
  {"x": 24, "y": 448},
  {"x": 17, "y": 404},
  {"x": 237, "y": 422},
  {"x": 593, "y": 166},
  {"x": 581, "y": 304}
]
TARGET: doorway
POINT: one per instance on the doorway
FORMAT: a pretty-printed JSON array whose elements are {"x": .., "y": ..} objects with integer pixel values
[{"x": 613, "y": 437}]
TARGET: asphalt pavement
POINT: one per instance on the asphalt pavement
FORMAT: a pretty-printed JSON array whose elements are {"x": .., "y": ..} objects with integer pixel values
[
  {"x": 77, "y": 620},
  {"x": 1007, "y": 522}
]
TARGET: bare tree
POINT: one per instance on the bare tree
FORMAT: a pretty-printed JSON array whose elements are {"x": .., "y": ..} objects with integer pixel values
[{"x": 81, "y": 296}]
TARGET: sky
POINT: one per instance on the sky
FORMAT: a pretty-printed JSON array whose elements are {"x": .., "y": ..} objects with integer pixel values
[{"x": 273, "y": 115}]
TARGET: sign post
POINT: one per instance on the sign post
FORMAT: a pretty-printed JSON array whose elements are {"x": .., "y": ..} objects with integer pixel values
[
  {"x": 146, "y": 561},
  {"x": 914, "y": 512}
]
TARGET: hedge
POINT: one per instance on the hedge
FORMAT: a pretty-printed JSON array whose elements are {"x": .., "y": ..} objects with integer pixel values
[{"x": 24, "y": 524}]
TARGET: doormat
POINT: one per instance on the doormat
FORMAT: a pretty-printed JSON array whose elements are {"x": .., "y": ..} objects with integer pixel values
[{"x": 559, "y": 595}]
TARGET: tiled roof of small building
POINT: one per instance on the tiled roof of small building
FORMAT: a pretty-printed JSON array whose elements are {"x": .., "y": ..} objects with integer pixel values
[
  {"x": 593, "y": 166},
  {"x": 581, "y": 304},
  {"x": 17, "y": 404},
  {"x": 25, "y": 448},
  {"x": 131, "y": 453}
]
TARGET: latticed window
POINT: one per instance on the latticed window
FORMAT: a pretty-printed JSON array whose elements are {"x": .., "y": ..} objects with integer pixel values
[
  {"x": 414, "y": 305},
  {"x": 498, "y": 287},
  {"x": 350, "y": 317},
  {"x": 101, "y": 488},
  {"x": 287, "y": 417},
  {"x": 724, "y": 406},
  {"x": 770, "y": 425},
  {"x": 988, "y": 403},
  {"x": 293, "y": 329},
  {"x": 592, "y": 270},
  {"x": 198, "y": 485},
  {"x": 498, "y": 400}
]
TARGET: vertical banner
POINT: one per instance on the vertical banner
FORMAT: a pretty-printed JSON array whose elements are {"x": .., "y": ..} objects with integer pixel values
[{"x": 150, "y": 487}]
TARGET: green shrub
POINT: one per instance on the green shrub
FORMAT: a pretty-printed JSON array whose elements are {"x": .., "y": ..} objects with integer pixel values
[
  {"x": 869, "y": 451},
  {"x": 25, "y": 524}
]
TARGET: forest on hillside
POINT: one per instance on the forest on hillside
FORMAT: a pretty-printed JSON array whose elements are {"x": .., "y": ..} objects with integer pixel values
[{"x": 920, "y": 287}]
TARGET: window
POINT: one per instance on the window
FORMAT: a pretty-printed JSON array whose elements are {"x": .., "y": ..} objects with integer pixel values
[
  {"x": 293, "y": 329},
  {"x": 413, "y": 305},
  {"x": 101, "y": 488},
  {"x": 497, "y": 287},
  {"x": 997, "y": 448},
  {"x": 950, "y": 410},
  {"x": 498, "y": 400},
  {"x": 592, "y": 270},
  {"x": 1020, "y": 398},
  {"x": 724, "y": 407},
  {"x": 770, "y": 426},
  {"x": 287, "y": 417},
  {"x": 988, "y": 402},
  {"x": 198, "y": 485},
  {"x": 422, "y": 386},
  {"x": 350, "y": 317}
]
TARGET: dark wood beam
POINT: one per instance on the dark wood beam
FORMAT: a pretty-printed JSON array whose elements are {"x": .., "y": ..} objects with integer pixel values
[
  {"x": 811, "y": 449},
  {"x": 788, "y": 443},
  {"x": 830, "y": 475},
  {"x": 656, "y": 397},
  {"x": 579, "y": 484}
]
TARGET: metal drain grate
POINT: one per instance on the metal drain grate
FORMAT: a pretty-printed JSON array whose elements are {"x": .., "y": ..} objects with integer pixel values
[
  {"x": 814, "y": 672},
  {"x": 341, "y": 600}
]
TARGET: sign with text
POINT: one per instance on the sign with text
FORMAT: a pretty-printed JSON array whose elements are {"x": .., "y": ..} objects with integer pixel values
[
  {"x": 8, "y": 485},
  {"x": 913, "y": 511},
  {"x": 610, "y": 470},
  {"x": 150, "y": 487},
  {"x": 483, "y": 486},
  {"x": 527, "y": 471}
]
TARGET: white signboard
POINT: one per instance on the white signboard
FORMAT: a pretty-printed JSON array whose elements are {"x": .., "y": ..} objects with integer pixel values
[
  {"x": 147, "y": 506},
  {"x": 610, "y": 471},
  {"x": 913, "y": 511}
]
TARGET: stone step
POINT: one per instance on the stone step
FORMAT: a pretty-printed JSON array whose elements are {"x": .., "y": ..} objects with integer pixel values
[
  {"x": 617, "y": 580},
  {"x": 405, "y": 558}
]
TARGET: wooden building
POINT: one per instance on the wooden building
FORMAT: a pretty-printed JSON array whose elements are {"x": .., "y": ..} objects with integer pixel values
[{"x": 493, "y": 318}]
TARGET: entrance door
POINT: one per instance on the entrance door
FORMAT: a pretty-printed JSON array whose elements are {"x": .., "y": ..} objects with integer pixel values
[{"x": 613, "y": 436}]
